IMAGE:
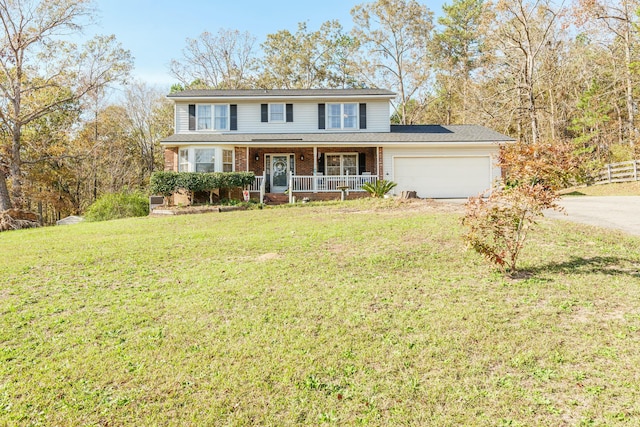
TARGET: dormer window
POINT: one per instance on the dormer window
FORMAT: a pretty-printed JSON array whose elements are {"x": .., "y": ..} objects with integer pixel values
[
  {"x": 342, "y": 116},
  {"x": 212, "y": 117}
]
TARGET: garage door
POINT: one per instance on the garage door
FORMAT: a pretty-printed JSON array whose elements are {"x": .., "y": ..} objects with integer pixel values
[{"x": 442, "y": 177}]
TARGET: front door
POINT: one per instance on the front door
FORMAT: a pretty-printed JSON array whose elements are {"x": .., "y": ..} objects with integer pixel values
[{"x": 279, "y": 173}]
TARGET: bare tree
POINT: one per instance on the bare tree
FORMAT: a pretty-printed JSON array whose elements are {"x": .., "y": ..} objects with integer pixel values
[
  {"x": 619, "y": 20},
  {"x": 525, "y": 32},
  {"x": 395, "y": 35},
  {"x": 149, "y": 119},
  {"x": 225, "y": 60}
]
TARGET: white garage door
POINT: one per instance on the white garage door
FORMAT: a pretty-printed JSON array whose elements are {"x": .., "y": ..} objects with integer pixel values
[{"x": 442, "y": 177}]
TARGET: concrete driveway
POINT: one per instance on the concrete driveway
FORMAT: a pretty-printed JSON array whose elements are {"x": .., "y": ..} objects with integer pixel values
[{"x": 617, "y": 212}]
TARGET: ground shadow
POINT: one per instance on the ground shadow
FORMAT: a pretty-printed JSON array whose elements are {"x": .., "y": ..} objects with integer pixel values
[{"x": 609, "y": 265}]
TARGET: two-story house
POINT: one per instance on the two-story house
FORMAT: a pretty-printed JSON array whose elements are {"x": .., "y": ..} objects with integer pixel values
[{"x": 317, "y": 141}]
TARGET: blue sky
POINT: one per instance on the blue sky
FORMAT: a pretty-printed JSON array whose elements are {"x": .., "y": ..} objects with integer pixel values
[{"x": 155, "y": 30}]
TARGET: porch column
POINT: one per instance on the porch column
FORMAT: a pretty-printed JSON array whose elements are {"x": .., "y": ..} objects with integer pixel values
[
  {"x": 315, "y": 159},
  {"x": 315, "y": 169},
  {"x": 247, "y": 160}
]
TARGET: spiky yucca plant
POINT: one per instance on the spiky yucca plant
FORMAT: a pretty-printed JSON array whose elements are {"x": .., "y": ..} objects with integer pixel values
[{"x": 378, "y": 188}]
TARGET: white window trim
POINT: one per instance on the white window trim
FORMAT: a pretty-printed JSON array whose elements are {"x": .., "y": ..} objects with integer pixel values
[
  {"x": 233, "y": 158},
  {"x": 190, "y": 165},
  {"x": 342, "y": 117},
  {"x": 284, "y": 113},
  {"x": 215, "y": 157},
  {"x": 213, "y": 118},
  {"x": 186, "y": 164}
]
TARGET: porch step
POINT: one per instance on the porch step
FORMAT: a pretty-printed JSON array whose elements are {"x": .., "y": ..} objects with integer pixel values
[{"x": 276, "y": 199}]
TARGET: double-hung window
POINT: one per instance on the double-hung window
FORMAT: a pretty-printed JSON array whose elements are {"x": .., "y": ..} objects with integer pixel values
[
  {"x": 183, "y": 162},
  {"x": 212, "y": 117},
  {"x": 276, "y": 113},
  {"x": 342, "y": 116},
  {"x": 221, "y": 114},
  {"x": 204, "y": 117},
  {"x": 342, "y": 164},
  {"x": 205, "y": 159},
  {"x": 227, "y": 160}
]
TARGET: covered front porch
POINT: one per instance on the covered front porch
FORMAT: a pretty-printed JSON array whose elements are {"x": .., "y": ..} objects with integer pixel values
[{"x": 311, "y": 169}]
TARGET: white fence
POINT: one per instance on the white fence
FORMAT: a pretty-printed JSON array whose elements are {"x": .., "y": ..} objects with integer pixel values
[{"x": 618, "y": 172}]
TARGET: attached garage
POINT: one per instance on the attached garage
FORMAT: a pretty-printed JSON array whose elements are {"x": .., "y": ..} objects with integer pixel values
[
  {"x": 443, "y": 176},
  {"x": 442, "y": 162}
]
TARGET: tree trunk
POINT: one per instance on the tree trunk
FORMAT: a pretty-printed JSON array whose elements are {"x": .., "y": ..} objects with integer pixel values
[
  {"x": 5, "y": 199},
  {"x": 15, "y": 168}
]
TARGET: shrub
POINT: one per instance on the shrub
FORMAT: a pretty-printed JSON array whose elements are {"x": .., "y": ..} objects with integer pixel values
[
  {"x": 118, "y": 205},
  {"x": 378, "y": 188},
  {"x": 167, "y": 183},
  {"x": 498, "y": 225},
  {"x": 164, "y": 183}
]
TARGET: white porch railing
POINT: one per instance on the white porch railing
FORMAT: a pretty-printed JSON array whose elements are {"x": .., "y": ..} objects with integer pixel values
[
  {"x": 321, "y": 183},
  {"x": 330, "y": 183},
  {"x": 257, "y": 183}
]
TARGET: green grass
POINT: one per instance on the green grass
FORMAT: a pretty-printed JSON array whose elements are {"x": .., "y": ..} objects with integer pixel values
[
  {"x": 616, "y": 189},
  {"x": 347, "y": 314}
]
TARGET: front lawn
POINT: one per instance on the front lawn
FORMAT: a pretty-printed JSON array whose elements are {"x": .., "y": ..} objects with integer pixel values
[
  {"x": 362, "y": 312},
  {"x": 616, "y": 189}
]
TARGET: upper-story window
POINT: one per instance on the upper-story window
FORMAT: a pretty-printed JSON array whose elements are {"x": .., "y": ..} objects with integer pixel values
[
  {"x": 342, "y": 116},
  {"x": 212, "y": 117},
  {"x": 276, "y": 113}
]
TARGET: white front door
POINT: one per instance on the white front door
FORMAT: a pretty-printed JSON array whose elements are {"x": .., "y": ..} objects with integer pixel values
[{"x": 279, "y": 173}]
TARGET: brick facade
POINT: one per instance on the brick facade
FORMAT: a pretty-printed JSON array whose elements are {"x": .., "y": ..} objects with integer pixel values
[
  {"x": 304, "y": 158},
  {"x": 171, "y": 159}
]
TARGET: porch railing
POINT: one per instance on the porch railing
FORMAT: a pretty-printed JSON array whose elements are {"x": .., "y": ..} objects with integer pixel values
[
  {"x": 257, "y": 183},
  {"x": 330, "y": 183},
  {"x": 321, "y": 183}
]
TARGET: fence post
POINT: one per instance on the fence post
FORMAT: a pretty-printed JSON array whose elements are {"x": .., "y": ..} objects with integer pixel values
[
  {"x": 635, "y": 169},
  {"x": 609, "y": 173}
]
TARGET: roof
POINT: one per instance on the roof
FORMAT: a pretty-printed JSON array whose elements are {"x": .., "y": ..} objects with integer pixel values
[
  {"x": 288, "y": 93},
  {"x": 412, "y": 134}
]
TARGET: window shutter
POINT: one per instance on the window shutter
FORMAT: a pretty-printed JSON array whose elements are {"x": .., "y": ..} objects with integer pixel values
[
  {"x": 362, "y": 163},
  {"x": 363, "y": 116},
  {"x": 321, "y": 116},
  {"x": 321, "y": 164},
  {"x": 289, "y": 113},
  {"x": 264, "y": 113},
  {"x": 233, "y": 117},
  {"x": 192, "y": 116}
]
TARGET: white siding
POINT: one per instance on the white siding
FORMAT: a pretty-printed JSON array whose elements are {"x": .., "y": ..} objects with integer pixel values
[{"x": 305, "y": 117}]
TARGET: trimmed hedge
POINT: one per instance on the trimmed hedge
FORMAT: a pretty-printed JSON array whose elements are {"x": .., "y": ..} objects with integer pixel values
[{"x": 168, "y": 182}]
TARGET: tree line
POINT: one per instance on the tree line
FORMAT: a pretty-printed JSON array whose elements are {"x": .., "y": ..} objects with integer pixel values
[{"x": 545, "y": 72}]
